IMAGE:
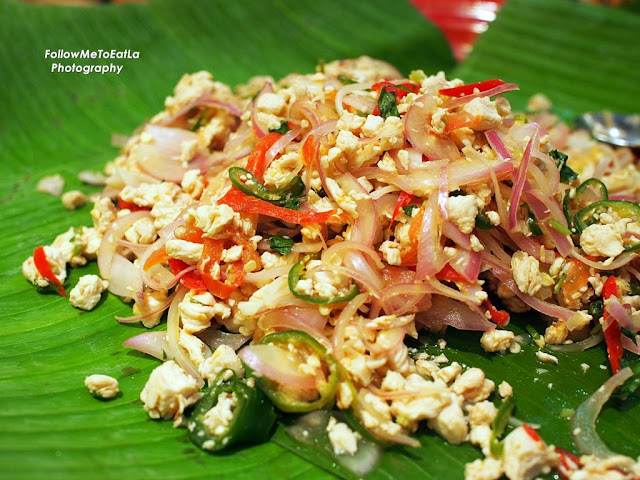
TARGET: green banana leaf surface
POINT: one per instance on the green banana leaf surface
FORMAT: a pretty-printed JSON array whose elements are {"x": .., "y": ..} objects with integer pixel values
[{"x": 584, "y": 57}]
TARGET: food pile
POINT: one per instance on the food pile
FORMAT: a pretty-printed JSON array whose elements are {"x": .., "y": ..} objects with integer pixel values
[{"x": 295, "y": 233}]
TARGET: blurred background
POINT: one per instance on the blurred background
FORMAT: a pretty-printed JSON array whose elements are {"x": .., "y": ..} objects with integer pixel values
[{"x": 461, "y": 21}]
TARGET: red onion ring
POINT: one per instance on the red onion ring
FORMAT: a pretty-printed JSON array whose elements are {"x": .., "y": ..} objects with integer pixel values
[
  {"x": 519, "y": 181},
  {"x": 272, "y": 362},
  {"x": 257, "y": 129},
  {"x": 504, "y": 88},
  {"x": 151, "y": 343}
]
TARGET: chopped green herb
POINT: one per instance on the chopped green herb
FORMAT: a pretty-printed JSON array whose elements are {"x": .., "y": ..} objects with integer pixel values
[
  {"x": 346, "y": 80},
  {"x": 628, "y": 333},
  {"x": 567, "y": 174},
  {"x": 635, "y": 290},
  {"x": 535, "y": 336},
  {"x": 534, "y": 228},
  {"x": 199, "y": 121},
  {"x": 558, "y": 227},
  {"x": 596, "y": 309},
  {"x": 387, "y": 104},
  {"x": 483, "y": 222},
  {"x": 408, "y": 210},
  {"x": 321, "y": 193},
  {"x": 500, "y": 424},
  {"x": 281, "y": 244},
  {"x": 556, "y": 288},
  {"x": 283, "y": 128},
  {"x": 631, "y": 386}
]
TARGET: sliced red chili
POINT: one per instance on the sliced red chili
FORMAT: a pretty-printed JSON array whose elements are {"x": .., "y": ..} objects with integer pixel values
[
  {"x": 471, "y": 88},
  {"x": 499, "y": 317},
  {"x": 404, "y": 199},
  {"x": 612, "y": 334},
  {"x": 42, "y": 265}
]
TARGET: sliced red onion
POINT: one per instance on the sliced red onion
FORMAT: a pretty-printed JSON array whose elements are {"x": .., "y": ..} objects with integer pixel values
[
  {"x": 131, "y": 178},
  {"x": 173, "y": 337},
  {"x": 623, "y": 196},
  {"x": 266, "y": 274},
  {"x": 124, "y": 278},
  {"x": 404, "y": 297},
  {"x": 360, "y": 103},
  {"x": 151, "y": 343},
  {"x": 546, "y": 308},
  {"x": 420, "y": 135},
  {"x": 581, "y": 346},
  {"x": 519, "y": 181},
  {"x": 115, "y": 232},
  {"x": 620, "y": 261},
  {"x": 452, "y": 232},
  {"x": 467, "y": 263},
  {"x": 622, "y": 315},
  {"x": 431, "y": 257},
  {"x": 274, "y": 363},
  {"x": 257, "y": 128},
  {"x": 149, "y": 313},
  {"x": 280, "y": 144},
  {"x": 204, "y": 100},
  {"x": 346, "y": 316},
  {"x": 214, "y": 337},
  {"x": 342, "y": 249},
  {"x": 498, "y": 146},
  {"x": 307, "y": 320},
  {"x": 504, "y": 88},
  {"x": 365, "y": 226},
  {"x": 156, "y": 277},
  {"x": 583, "y": 422},
  {"x": 346, "y": 90},
  {"x": 305, "y": 108},
  {"x": 161, "y": 156},
  {"x": 447, "y": 311},
  {"x": 545, "y": 207},
  {"x": 630, "y": 345}
]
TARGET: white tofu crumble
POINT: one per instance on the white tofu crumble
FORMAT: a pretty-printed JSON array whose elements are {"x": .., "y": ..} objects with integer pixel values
[
  {"x": 87, "y": 292},
  {"x": 102, "y": 386}
]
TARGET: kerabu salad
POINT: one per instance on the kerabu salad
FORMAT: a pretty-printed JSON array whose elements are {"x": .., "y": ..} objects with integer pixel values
[{"x": 294, "y": 234}]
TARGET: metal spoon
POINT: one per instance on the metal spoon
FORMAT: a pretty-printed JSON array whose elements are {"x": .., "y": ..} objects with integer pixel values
[{"x": 615, "y": 128}]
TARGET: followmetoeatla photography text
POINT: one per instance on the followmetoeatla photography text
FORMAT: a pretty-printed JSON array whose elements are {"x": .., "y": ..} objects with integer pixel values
[{"x": 59, "y": 55}]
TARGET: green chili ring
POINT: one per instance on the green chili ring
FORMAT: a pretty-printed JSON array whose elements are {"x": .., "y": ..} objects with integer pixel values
[
  {"x": 591, "y": 184},
  {"x": 283, "y": 196},
  {"x": 295, "y": 275},
  {"x": 623, "y": 208},
  {"x": 253, "y": 415},
  {"x": 286, "y": 401}
]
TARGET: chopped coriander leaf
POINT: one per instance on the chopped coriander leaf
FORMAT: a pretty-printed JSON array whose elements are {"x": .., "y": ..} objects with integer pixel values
[
  {"x": 387, "y": 104},
  {"x": 567, "y": 174},
  {"x": 596, "y": 309},
  {"x": 346, "y": 80},
  {"x": 281, "y": 244},
  {"x": 408, "y": 210},
  {"x": 283, "y": 128},
  {"x": 483, "y": 222},
  {"x": 534, "y": 228}
]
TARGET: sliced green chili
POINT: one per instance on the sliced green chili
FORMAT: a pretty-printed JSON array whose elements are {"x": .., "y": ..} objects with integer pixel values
[
  {"x": 291, "y": 400},
  {"x": 297, "y": 273},
  {"x": 534, "y": 228},
  {"x": 253, "y": 415},
  {"x": 500, "y": 424},
  {"x": 287, "y": 196},
  {"x": 588, "y": 192},
  {"x": 589, "y": 215}
]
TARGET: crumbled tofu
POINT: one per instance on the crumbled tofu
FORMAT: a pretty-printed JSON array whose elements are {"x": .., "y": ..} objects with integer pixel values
[
  {"x": 483, "y": 469},
  {"x": 148, "y": 194},
  {"x": 556, "y": 333},
  {"x": 602, "y": 240},
  {"x": 223, "y": 358},
  {"x": 505, "y": 389},
  {"x": 496, "y": 340},
  {"x": 197, "y": 310},
  {"x": 218, "y": 419},
  {"x": 102, "y": 386},
  {"x": 188, "y": 252},
  {"x": 150, "y": 301},
  {"x": 526, "y": 272},
  {"x": 168, "y": 392},
  {"x": 344, "y": 441},
  {"x": 104, "y": 213},
  {"x": 51, "y": 184},
  {"x": 142, "y": 231},
  {"x": 473, "y": 385},
  {"x": 73, "y": 199},
  {"x": 450, "y": 422},
  {"x": 462, "y": 210},
  {"x": 482, "y": 413},
  {"x": 212, "y": 219},
  {"x": 232, "y": 254},
  {"x": 87, "y": 292},
  {"x": 486, "y": 110},
  {"x": 546, "y": 358},
  {"x": 391, "y": 252},
  {"x": 525, "y": 458}
]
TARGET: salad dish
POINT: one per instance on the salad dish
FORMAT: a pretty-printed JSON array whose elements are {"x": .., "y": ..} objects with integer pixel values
[{"x": 292, "y": 244}]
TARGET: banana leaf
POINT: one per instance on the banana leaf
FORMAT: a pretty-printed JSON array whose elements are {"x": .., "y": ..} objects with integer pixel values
[{"x": 582, "y": 56}]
